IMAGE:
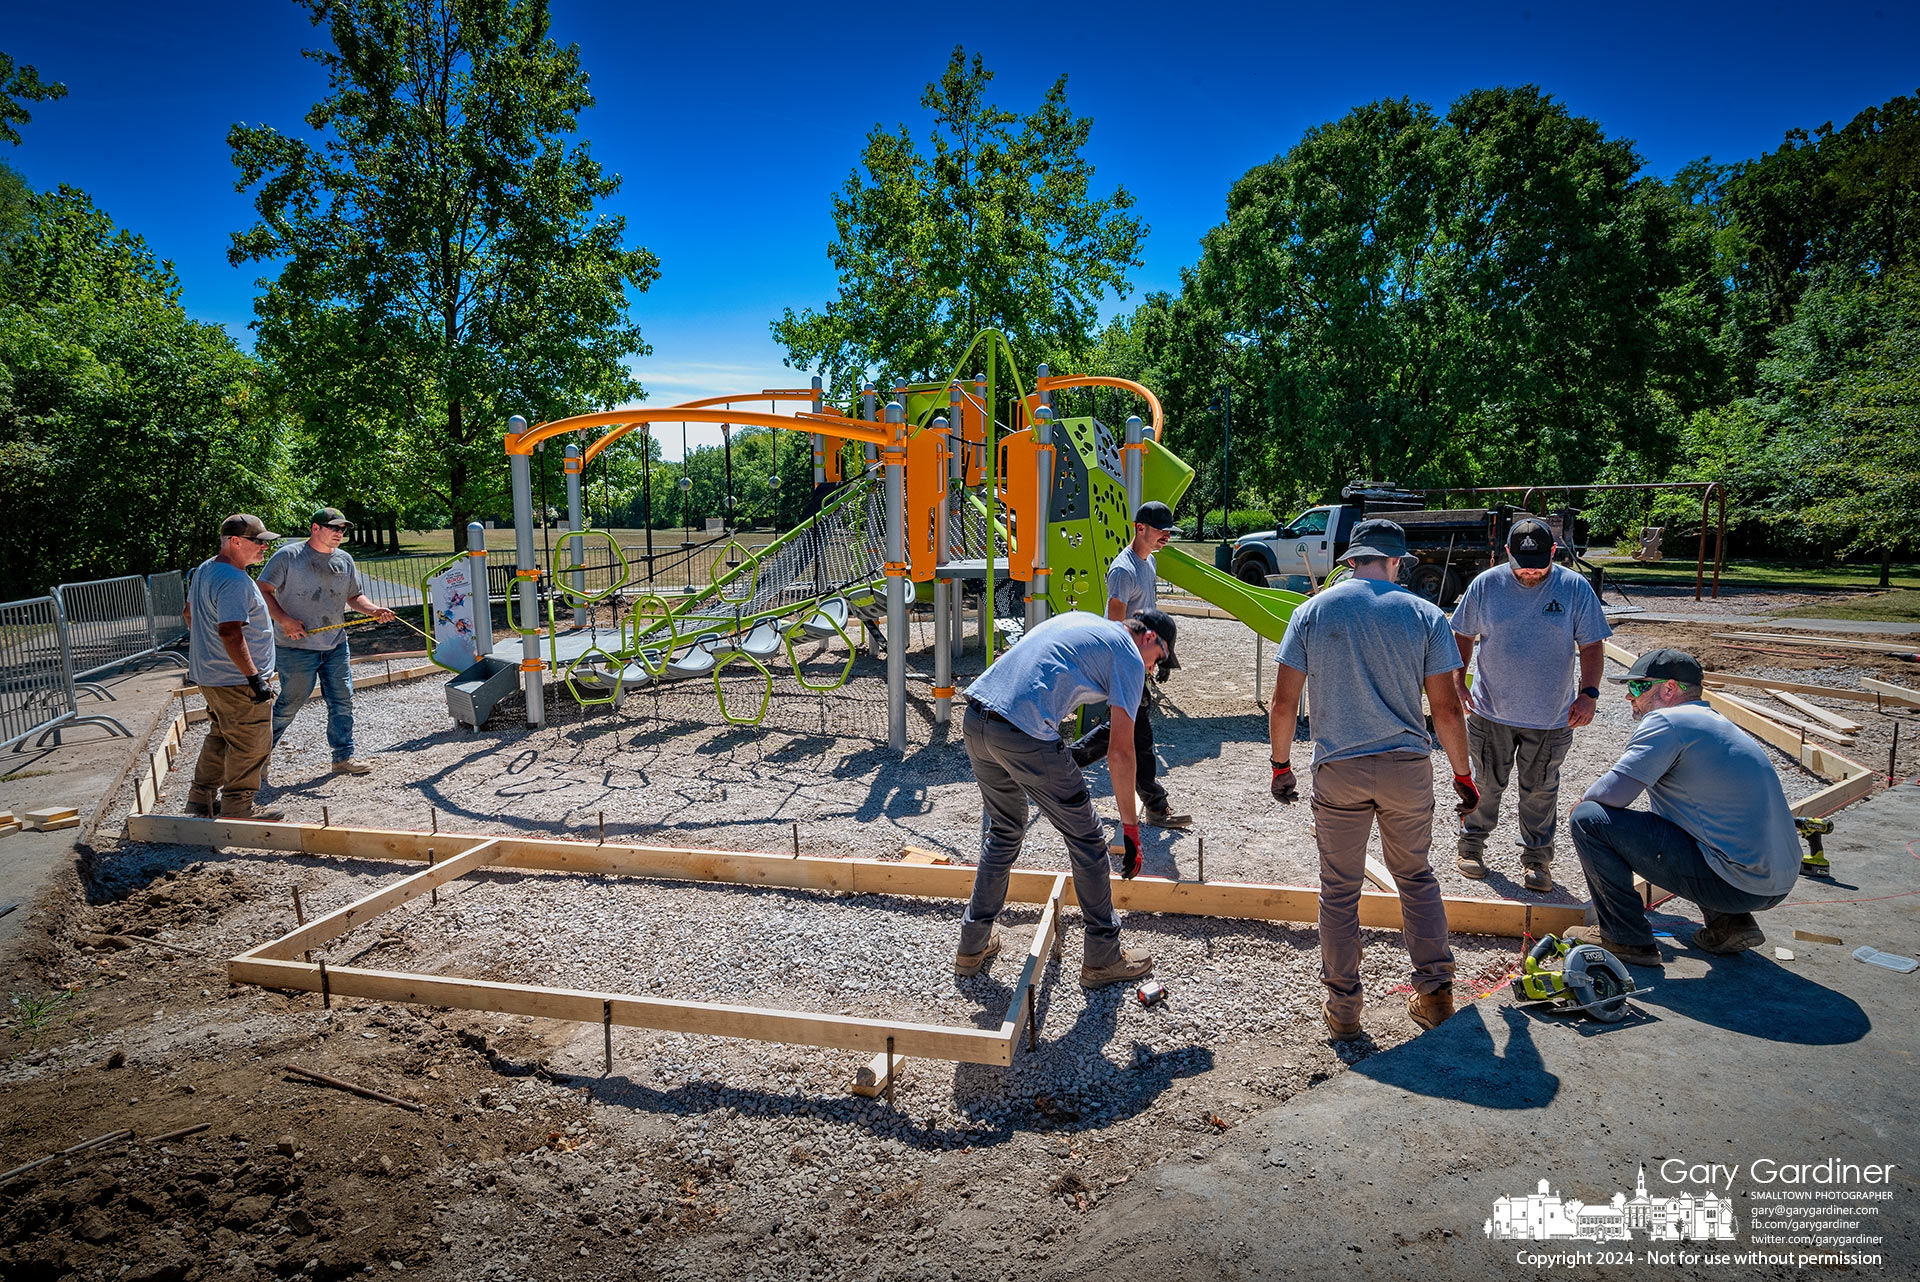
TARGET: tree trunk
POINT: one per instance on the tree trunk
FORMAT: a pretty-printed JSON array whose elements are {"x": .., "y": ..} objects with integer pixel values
[
  {"x": 458, "y": 500},
  {"x": 1886, "y": 565}
]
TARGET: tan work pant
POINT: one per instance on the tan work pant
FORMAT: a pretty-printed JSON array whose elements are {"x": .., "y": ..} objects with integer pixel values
[
  {"x": 236, "y": 750},
  {"x": 1396, "y": 789}
]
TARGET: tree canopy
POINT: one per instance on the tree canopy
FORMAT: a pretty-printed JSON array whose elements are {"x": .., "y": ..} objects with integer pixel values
[
  {"x": 993, "y": 226},
  {"x": 442, "y": 263}
]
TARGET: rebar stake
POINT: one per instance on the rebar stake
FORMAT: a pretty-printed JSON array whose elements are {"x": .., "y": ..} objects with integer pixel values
[
  {"x": 300, "y": 919},
  {"x": 1203, "y": 859},
  {"x": 434, "y": 813},
  {"x": 796, "y": 839},
  {"x": 889, "y": 1074},
  {"x": 326, "y": 820},
  {"x": 603, "y": 827},
  {"x": 606, "y": 1031},
  {"x": 326, "y": 986},
  {"x": 433, "y": 893},
  {"x": 1892, "y": 753}
]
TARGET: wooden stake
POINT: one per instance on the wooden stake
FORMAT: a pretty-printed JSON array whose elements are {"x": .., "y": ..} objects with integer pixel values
[
  {"x": 363, "y": 1091},
  {"x": 326, "y": 986},
  {"x": 300, "y": 918}
]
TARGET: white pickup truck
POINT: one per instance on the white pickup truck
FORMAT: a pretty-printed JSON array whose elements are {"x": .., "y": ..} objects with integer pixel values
[{"x": 1445, "y": 548}]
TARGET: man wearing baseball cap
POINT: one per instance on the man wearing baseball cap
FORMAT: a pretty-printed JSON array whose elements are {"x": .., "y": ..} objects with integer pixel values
[
  {"x": 230, "y": 657},
  {"x": 1531, "y": 619},
  {"x": 309, "y": 588},
  {"x": 1717, "y": 829},
  {"x": 1012, "y": 733},
  {"x": 1371, "y": 648},
  {"x": 1131, "y": 581}
]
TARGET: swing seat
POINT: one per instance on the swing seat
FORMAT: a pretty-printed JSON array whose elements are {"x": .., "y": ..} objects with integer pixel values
[
  {"x": 830, "y": 620},
  {"x": 761, "y": 644},
  {"x": 698, "y": 660}
]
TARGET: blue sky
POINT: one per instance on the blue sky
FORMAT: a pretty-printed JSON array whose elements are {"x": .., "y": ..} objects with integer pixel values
[{"x": 731, "y": 124}]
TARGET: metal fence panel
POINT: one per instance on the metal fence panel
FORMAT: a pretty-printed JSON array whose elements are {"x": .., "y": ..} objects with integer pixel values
[
  {"x": 34, "y": 686},
  {"x": 107, "y": 622},
  {"x": 167, "y": 594}
]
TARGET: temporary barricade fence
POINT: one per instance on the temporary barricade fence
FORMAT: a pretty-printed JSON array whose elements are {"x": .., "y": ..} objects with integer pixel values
[
  {"x": 36, "y": 675},
  {"x": 167, "y": 604},
  {"x": 109, "y": 623}
]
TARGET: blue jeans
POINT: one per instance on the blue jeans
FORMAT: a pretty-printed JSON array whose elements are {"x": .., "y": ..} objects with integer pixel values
[
  {"x": 1614, "y": 844},
  {"x": 298, "y": 671}
]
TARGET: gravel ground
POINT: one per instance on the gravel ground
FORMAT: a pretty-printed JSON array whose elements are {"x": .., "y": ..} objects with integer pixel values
[{"x": 697, "y": 1154}]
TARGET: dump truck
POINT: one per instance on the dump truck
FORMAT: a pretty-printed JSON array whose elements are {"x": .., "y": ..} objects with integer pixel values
[{"x": 1445, "y": 548}]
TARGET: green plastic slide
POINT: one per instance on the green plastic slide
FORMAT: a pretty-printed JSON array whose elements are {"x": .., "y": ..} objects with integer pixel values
[{"x": 1265, "y": 610}]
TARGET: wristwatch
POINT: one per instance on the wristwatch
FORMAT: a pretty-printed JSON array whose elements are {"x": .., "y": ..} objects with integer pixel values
[{"x": 1592, "y": 692}]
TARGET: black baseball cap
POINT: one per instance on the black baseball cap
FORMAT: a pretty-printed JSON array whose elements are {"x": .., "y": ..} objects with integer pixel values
[
  {"x": 332, "y": 516},
  {"x": 1157, "y": 515},
  {"x": 1663, "y": 665},
  {"x": 1530, "y": 545},
  {"x": 1377, "y": 537},
  {"x": 1163, "y": 627}
]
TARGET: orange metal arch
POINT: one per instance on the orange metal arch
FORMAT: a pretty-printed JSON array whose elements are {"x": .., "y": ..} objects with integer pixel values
[
  {"x": 1053, "y": 381},
  {"x": 627, "y": 420}
]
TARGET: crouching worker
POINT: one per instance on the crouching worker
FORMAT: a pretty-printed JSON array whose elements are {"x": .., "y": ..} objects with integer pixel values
[
  {"x": 1012, "y": 731},
  {"x": 1717, "y": 830}
]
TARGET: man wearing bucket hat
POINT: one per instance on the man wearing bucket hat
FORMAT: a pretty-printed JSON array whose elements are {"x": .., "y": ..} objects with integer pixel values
[
  {"x": 1372, "y": 648},
  {"x": 1012, "y": 734},
  {"x": 230, "y": 657},
  {"x": 309, "y": 588},
  {"x": 1532, "y": 621},
  {"x": 1131, "y": 583},
  {"x": 1717, "y": 829}
]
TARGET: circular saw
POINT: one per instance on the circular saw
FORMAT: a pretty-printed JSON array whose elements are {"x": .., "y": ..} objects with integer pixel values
[{"x": 1575, "y": 979}]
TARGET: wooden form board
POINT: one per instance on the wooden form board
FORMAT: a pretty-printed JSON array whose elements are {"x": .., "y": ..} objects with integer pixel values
[
  {"x": 1887, "y": 690},
  {"x": 147, "y": 784},
  {"x": 273, "y": 964},
  {"x": 1791, "y": 722},
  {"x": 1798, "y": 687},
  {"x": 1829, "y": 643},
  {"x": 1832, "y": 721}
]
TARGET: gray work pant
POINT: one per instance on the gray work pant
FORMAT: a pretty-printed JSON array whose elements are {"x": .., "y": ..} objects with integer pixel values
[
  {"x": 1010, "y": 766},
  {"x": 1531, "y": 760},
  {"x": 1394, "y": 789}
]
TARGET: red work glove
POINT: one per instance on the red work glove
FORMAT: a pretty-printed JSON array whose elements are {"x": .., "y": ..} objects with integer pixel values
[
  {"x": 1130, "y": 861},
  {"x": 1285, "y": 790},
  {"x": 1469, "y": 794}
]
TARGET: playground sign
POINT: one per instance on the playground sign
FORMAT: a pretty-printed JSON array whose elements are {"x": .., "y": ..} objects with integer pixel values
[{"x": 452, "y": 597}]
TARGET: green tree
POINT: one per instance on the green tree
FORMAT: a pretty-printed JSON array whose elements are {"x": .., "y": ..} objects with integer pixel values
[
  {"x": 20, "y": 85},
  {"x": 995, "y": 226},
  {"x": 127, "y": 430},
  {"x": 1471, "y": 297},
  {"x": 441, "y": 261}
]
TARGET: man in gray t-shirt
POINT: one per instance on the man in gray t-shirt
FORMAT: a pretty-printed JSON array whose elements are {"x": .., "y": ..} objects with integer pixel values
[
  {"x": 230, "y": 657},
  {"x": 1130, "y": 589},
  {"x": 1372, "y": 648},
  {"x": 309, "y": 587},
  {"x": 1532, "y": 620},
  {"x": 1012, "y": 733},
  {"x": 1717, "y": 829}
]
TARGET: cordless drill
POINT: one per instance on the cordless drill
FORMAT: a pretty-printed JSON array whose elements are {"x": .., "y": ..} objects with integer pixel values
[{"x": 1815, "y": 862}]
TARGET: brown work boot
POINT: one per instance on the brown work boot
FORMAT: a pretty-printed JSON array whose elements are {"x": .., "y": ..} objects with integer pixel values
[
  {"x": 1134, "y": 963},
  {"x": 1470, "y": 863},
  {"x": 1165, "y": 818},
  {"x": 1729, "y": 933},
  {"x": 248, "y": 810},
  {"x": 1538, "y": 879},
  {"x": 1430, "y": 1010},
  {"x": 352, "y": 766},
  {"x": 1342, "y": 1032},
  {"x": 198, "y": 809},
  {"x": 1631, "y": 954},
  {"x": 968, "y": 964}
]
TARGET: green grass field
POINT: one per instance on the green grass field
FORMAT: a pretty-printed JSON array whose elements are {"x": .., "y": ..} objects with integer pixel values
[
  {"x": 1899, "y": 606},
  {"x": 1782, "y": 575}
]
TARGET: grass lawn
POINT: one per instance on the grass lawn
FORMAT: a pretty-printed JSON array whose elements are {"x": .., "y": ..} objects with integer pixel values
[
  {"x": 1899, "y": 606},
  {"x": 1763, "y": 574}
]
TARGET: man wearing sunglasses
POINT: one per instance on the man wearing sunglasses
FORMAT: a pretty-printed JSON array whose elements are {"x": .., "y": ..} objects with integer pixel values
[
  {"x": 1717, "y": 829},
  {"x": 230, "y": 657},
  {"x": 309, "y": 589}
]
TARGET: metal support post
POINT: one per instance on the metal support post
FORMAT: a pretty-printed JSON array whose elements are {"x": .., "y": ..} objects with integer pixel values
[
  {"x": 576, "y": 546},
  {"x": 1131, "y": 469},
  {"x": 526, "y": 581},
  {"x": 819, "y": 441},
  {"x": 895, "y": 459},
  {"x": 1043, "y": 482},
  {"x": 482, "y": 588},
  {"x": 868, "y": 399},
  {"x": 942, "y": 606},
  {"x": 983, "y": 393}
]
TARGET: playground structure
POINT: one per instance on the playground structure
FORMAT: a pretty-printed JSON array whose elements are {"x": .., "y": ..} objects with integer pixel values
[{"x": 956, "y": 482}]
